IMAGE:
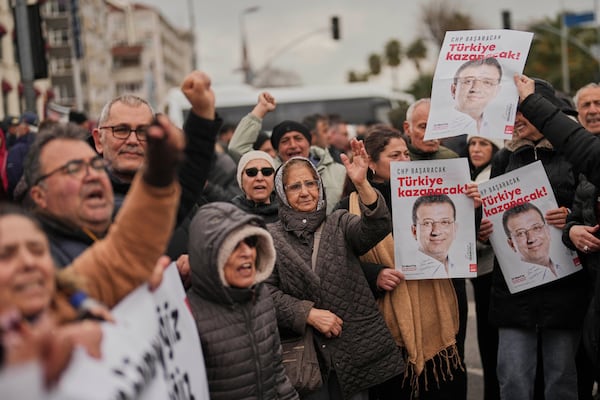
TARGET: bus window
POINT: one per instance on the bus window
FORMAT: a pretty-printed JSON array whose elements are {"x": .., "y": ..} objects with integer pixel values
[{"x": 356, "y": 103}]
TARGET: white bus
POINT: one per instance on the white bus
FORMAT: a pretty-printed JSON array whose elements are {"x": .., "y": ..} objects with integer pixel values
[{"x": 356, "y": 103}]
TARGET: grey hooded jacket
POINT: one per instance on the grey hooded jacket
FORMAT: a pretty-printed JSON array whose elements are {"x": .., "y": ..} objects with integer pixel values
[{"x": 237, "y": 327}]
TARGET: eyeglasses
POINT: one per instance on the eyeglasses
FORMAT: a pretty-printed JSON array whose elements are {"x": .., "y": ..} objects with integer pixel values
[
  {"x": 430, "y": 223},
  {"x": 470, "y": 81},
  {"x": 266, "y": 171},
  {"x": 75, "y": 167},
  {"x": 522, "y": 234},
  {"x": 296, "y": 187},
  {"x": 250, "y": 241},
  {"x": 122, "y": 132}
]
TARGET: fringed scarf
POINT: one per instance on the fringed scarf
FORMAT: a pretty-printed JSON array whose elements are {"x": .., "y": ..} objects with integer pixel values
[{"x": 422, "y": 316}]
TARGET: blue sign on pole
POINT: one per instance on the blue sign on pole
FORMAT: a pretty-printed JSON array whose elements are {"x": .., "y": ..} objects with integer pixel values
[{"x": 578, "y": 19}]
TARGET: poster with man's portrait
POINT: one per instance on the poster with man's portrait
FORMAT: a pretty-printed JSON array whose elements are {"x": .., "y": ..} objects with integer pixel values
[
  {"x": 433, "y": 218},
  {"x": 473, "y": 91},
  {"x": 529, "y": 250}
]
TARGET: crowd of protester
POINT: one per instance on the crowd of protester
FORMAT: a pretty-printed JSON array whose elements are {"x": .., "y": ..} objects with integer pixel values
[{"x": 275, "y": 234}]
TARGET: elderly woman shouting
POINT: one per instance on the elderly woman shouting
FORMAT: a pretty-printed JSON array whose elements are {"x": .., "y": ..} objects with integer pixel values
[{"x": 318, "y": 280}]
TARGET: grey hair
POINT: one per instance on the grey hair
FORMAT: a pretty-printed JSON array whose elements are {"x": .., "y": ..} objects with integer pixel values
[
  {"x": 581, "y": 89},
  {"x": 413, "y": 106},
  {"x": 127, "y": 99}
]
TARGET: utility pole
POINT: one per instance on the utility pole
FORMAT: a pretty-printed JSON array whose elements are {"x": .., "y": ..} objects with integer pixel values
[
  {"x": 25, "y": 54},
  {"x": 192, "y": 32},
  {"x": 564, "y": 59},
  {"x": 246, "y": 67}
]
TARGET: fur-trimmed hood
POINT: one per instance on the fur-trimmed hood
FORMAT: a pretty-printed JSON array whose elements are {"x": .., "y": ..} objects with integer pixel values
[
  {"x": 516, "y": 144},
  {"x": 214, "y": 233}
]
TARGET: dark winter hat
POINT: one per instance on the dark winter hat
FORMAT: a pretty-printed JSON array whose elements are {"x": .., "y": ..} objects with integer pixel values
[
  {"x": 549, "y": 93},
  {"x": 288, "y": 126},
  {"x": 30, "y": 118}
]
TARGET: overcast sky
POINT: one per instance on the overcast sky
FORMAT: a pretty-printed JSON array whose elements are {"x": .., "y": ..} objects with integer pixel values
[{"x": 365, "y": 28}]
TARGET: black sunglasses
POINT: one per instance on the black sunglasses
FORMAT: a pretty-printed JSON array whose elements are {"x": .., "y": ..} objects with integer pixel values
[{"x": 266, "y": 171}]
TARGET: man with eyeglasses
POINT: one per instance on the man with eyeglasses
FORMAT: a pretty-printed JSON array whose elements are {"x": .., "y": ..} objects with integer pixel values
[
  {"x": 70, "y": 189},
  {"x": 71, "y": 185},
  {"x": 121, "y": 139},
  {"x": 529, "y": 236},
  {"x": 434, "y": 228}
]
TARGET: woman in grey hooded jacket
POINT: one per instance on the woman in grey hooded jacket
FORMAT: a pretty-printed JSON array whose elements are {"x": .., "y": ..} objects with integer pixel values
[{"x": 231, "y": 254}]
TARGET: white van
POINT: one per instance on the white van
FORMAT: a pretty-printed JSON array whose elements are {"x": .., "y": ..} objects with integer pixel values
[{"x": 356, "y": 103}]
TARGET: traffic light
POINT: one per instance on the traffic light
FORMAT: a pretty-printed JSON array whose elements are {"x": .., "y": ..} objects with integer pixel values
[
  {"x": 506, "y": 20},
  {"x": 335, "y": 28}
]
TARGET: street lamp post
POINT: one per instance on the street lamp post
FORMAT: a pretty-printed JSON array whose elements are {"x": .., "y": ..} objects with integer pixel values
[{"x": 246, "y": 67}]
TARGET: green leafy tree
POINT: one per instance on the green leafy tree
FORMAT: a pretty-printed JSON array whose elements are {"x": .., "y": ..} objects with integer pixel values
[
  {"x": 375, "y": 64},
  {"x": 544, "y": 60},
  {"x": 397, "y": 115},
  {"x": 417, "y": 52},
  {"x": 440, "y": 16},
  {"x": 354, "y": 76},
  {"x": 421, "y": 87},
  {"x": 393, "y": 58}
]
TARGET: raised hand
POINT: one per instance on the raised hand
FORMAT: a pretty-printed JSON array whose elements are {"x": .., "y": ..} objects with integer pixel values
[
  {"x": 525, "y": 86},
  {"x": 197, "y": 88},
  {"x": 266, "y": 103}
]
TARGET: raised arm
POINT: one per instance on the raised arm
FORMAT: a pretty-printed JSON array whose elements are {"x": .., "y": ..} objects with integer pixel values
[
  {"x": 201, "y": 128},
  {"x": 580, "y": 147},
  {"x": 249, "y": 127}
]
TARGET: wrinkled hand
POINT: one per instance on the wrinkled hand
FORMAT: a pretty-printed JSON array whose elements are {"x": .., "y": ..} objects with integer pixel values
[
  {"x": 389, "y": 278},
  {"x": 158, "y": 272},
  {"x": 525, "y": 86},
  {"x": 185, "y": 271},
  {"x": 473, "y": 192},
  {"x": 357, "y": 169},
  {"x": 197, "y": 88},
  {"x": 583, "y": 238},
  {"x": 266, "y": 103},
  {"x": 325, "y": 322},
  {"x": 164, "y": 152},
  {"x": 485, "y": 230},
  {"x": 557, "y": 217}
]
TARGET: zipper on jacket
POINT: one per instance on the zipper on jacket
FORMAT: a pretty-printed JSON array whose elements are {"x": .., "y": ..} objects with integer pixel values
[{"x": 248, "y": 319}]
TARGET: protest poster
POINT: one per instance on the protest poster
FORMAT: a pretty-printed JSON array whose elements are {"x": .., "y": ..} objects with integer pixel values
[
  {"x": 530, "y": 251},
  {"x": 433, "y": 218},
  {"x": 151, "y": 352},
  {"x": 473, "y": 90}
]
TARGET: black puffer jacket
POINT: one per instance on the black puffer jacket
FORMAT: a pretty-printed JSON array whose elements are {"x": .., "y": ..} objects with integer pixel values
[
  {"x": 577, "y": 145},
  {"x": 584, "y": 213},
  {"x": 559, "y": 304},
  {"x": 365, "y": 354},
  {"x": 237, "y": 327}
]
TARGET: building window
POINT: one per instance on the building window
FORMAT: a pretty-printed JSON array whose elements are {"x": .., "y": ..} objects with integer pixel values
[
  {"x": 58, "y": 37},
  {"x": 60, "y": 66},
  {"x": 129, "y": 87},
  {"x": 55, "y": 7}
]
